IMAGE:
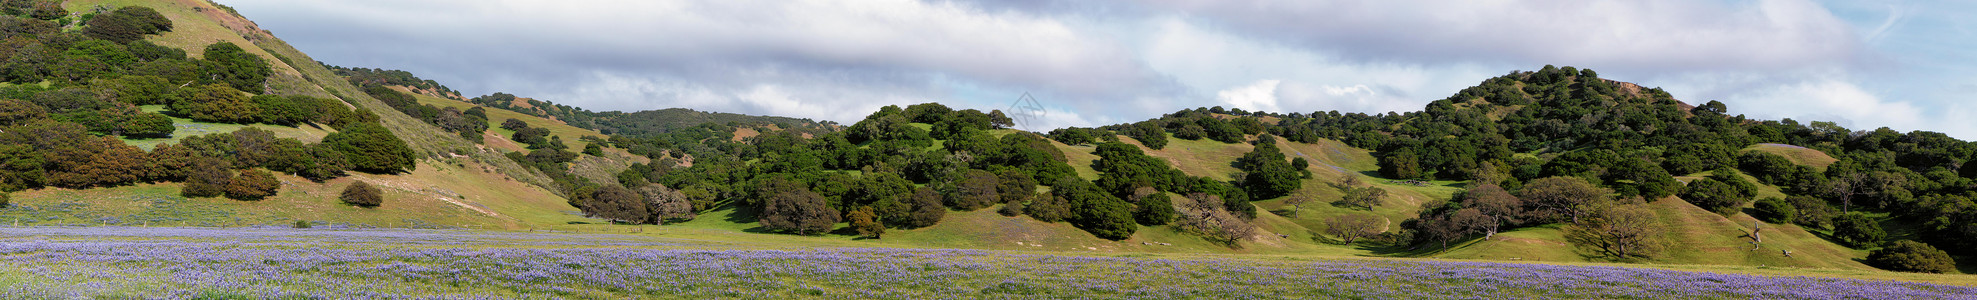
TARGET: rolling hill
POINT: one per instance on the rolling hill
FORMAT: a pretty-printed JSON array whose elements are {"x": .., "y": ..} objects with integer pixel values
[{"x": 1509, "y": 131}]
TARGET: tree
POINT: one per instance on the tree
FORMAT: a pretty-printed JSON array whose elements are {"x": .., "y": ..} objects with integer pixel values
[
  {"x": 593, "y": 149},
  {"x": 215, "y": 103},
  {"x": 977, "y": 189},
  {"x": 927, "y": 209},
  {"x": 619, "y": 204},
  {"x": 252, "y": 185},
  {"x": 1713, "y": 195},
  {"x": 1775, "y": 210},
  {"x": 1401, "y": 164},
  {"x": 1553, "y": 199},
  {"x": 207, "y": 177},
  {"x": 1154, "y": 210},
  {"x": 1362, "y": 197},
  {"x": 666, "y": 203},
  {"x": 866, "y": 222},
  {"x": 1352, "y": 227},
  {"x": 1494, "y": 201},
  {"x": 1203, "y": 214},
  {"x": 372, "y": 148},
  {"x": 127, "y": 24},
  {"x": 790, "y": 207},
  {"x": 1812, "y": 212},
  {"x": 1267, "y": 174},
  {"x": 13, "y": 112},
  {"x": 362, "y": 194},
  {"x": 1858, "y": 230},
  {"x": 228, "y": 64},
  {"x": 1619, "y": 231},
  {"x": 1912, "y": 256}
]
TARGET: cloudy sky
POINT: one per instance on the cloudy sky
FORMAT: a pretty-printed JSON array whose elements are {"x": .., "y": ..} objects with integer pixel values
[{"x": 1908, "y": 65}]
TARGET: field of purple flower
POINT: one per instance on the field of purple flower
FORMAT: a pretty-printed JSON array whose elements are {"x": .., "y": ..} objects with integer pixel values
[{"x": 173, "y": 263}]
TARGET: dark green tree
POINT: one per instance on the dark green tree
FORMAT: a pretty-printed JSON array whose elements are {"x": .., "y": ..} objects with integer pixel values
[
  {"x": 372, "y": 148},
  {"x": 1912, "y": 256},
  {"x": 1858, "y": 230},
  {"x": 228, "y": 64}
]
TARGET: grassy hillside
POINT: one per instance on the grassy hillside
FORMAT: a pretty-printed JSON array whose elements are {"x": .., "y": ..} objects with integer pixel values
[
  {"x": 1799, "y": 155},
  {"x": 434, "y": 196},
  {"x": 198, "y": 23}
]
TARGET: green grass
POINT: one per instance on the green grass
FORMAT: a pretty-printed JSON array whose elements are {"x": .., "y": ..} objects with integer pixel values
[
  {"x": 188, "y": 128},
  {"x": 1799, "y": 155}
]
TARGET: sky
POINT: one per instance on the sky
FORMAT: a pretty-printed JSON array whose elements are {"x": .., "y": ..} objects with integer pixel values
[{"x": 1864, "y": 64}]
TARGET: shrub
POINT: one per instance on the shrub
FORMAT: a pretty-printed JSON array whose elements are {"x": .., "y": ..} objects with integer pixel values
[
  {"x": 253, "y": 185},
  {"x": 215, "y": 103},
  {"x": 301, "y": 224},
  {"x": 1912, "y": 256},
  {"x": 362, "y": 194},
  {"x": 927, "y": 209},
  {"x": 229, "y": 64},
  {"x": 372, "y": 148},
  {"x": 207, "y": 177},
  {"x": 127, "y": 24}
]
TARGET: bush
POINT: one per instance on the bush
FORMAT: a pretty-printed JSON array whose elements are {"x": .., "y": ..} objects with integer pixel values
[
  {"x": 362, "y": 194},
  {"x": 253, "y": 185},
  {"x": 1912, "y": 256},
  {"x": 1775, "y": 210},
  {"x": 372, "y": 148},
  {"x": 229, "y": 64},
  {"x": 927, "y": 209},
  {"x": 127, "y": 24},
  {"x": 215, "y": 103},
  {"x": 300, "y": 224}
]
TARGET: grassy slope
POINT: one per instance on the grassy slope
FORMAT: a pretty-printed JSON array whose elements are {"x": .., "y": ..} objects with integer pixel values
[
  {"x": 198, "y": 23},
  {"x": 1800, "y": 155},
  {"x": 436, "y": 195}
]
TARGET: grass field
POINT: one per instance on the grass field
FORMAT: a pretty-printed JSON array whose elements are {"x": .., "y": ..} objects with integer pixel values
[{"x": 266, "y": 263}]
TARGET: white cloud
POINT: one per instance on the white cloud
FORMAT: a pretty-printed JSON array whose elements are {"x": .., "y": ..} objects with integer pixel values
[
  {"x": 1259, "y": 96},
  {"x": 1832, "y": 100},
  {"x": 1658, "y": 36}
]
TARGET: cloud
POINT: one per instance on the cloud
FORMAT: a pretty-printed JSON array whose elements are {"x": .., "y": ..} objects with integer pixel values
[
  {"x": 1260, "y": 96},
  {"x": 1654, "y": 36},
  {"x": 807, "y": 54}
]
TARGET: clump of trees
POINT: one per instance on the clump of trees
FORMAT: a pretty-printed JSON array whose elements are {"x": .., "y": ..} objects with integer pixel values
[
  {"x": 126, "y": 24},
  {"x": 1912, "y": 256}
]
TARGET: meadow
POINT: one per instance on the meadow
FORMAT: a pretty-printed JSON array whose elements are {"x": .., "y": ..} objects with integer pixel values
[{"x": 282, "y": 263}]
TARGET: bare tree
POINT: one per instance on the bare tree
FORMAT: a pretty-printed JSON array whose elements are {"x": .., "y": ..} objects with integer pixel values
[
  {"x": 1297, "y": 203},
  {"x": 1622, "y": 231},
  {"x": 1351, "y": 227},
  {"x": 1203, "y": 214},
  {"x": 1555, "y": 198}
]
